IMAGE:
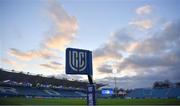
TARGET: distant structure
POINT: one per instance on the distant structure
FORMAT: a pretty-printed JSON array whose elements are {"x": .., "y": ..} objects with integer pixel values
[{"x": 161, "y": 93}]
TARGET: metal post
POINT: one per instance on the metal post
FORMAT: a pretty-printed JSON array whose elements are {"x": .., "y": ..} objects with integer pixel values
[
  {"x": 91, "y": 92},
  {"x": 90, "y": 79},
  {"x": 115, "y": 86}
]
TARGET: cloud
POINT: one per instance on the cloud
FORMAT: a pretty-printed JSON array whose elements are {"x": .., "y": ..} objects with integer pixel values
[
  {"x": 142, "y": 24},
  {"x": 64, "y": 27},
  {"x": 144, "y": 77},
  {"x": 61, "y": 35},
  {"x": 144, "y": 10},
  {"x": 13, "y": 64},
  {"x": 143, "y": 80},
  {"x": 160, "y": 41},
  {"x": 111, "y": 49},
  {"x": 159, "y": 50},
  {"x": 150, "y": 61},
  {"x": 103, "y": 56},
  {"x": 30, "y": 55},
  {"x": 107, "y": 52},
  {"x": 111, "y": 52},
  {"x": 53, "y": 65},
  {"x": 105, "y": 68},
  {"x": 143, "y": 61},
  {"x": 155, "y": 56},
  {"x": 7, "y": 61}
]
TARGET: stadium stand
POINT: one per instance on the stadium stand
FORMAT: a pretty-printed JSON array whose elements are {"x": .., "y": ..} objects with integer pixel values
[
  {"x": 154, "y": 93},
  {"x": 22, "y": 79},
  {"x": 23, "y": 85},
  {"x": 21, "y": 91}
]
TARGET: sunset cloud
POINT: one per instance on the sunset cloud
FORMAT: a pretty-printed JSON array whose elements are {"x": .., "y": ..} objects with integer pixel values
[
  {"x": 53, "y": 65},
  {"x": 7, "y": 61},
  {"x": 61, "y": 35},
  {"x": 153, "y": 55},
  {"x": 64, "y": 30},
  {"x": 164, "y": 40},
  {"x": 13, "y": 64},
  {"x": 142, "y": 24},
  {"x": 144, "y": 10},
  {"x": 30, "y": 55}
]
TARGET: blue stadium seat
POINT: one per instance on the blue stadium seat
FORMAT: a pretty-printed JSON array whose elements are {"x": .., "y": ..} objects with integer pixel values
[
  {"x": 155, "y": 93},
  {"x": 40, "y": 92}
]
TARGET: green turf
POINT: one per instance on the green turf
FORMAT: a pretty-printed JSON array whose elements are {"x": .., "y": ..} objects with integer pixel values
[
  {"x": 65, "y": 101},
  {"x": 138, "y": 101},
  {"x": 42, "y": 101}
]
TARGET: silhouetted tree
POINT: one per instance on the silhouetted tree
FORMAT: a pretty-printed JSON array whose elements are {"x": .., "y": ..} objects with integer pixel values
[
  {"x": 162, "y": 84},
  {"x": 12, "y": 70},
  {"x": 177, "y": 84}
]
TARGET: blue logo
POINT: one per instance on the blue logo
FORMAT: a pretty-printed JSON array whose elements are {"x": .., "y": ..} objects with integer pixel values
[{"x": 78, "y": 61}]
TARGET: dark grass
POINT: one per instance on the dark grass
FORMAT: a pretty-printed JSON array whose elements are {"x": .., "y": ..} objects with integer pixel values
[
  {"x": 70, "y": 101},
  {"x": 138, "y": 102}
]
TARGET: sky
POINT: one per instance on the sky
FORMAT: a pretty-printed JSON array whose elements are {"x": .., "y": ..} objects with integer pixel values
[{"x": 136, "y": 41}]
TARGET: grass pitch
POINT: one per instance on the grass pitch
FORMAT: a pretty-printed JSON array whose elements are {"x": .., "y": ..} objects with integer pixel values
[{"x": 68, "y": 101}]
